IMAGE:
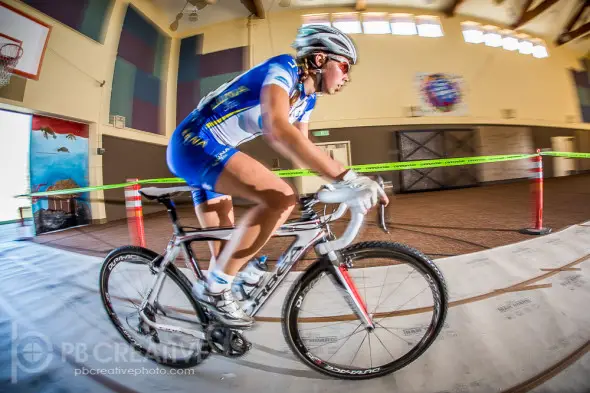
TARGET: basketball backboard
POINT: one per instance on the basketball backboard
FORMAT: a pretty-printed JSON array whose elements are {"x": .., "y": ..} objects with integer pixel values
[{"x": 18, "y": 27}]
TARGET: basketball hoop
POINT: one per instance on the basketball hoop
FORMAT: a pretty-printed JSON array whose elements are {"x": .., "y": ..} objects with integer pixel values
[{"x": 10, "y": 54}]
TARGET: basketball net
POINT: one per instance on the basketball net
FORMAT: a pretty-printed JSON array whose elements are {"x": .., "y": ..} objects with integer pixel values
[{"x": 10, "y": 54}]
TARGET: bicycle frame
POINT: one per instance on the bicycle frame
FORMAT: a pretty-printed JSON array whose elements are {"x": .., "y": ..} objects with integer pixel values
[{"x": 309, "y": 231}]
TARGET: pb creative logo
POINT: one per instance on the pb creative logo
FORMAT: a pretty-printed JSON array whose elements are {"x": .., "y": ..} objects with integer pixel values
[{"x": 31, "y": 352}]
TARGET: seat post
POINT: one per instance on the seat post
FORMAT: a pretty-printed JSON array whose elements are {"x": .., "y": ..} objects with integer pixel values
[{"x": 171, "y": 211}]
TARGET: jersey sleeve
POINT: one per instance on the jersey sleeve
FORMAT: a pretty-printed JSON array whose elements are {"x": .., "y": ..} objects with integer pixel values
[
  {"x": 307, "y": 114},
  {"x": 282, "y": 71}
]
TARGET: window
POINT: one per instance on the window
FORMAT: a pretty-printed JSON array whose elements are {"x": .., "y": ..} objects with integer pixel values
[
  {"x": 539, "y": 49},
  {"x": 472, "y": 32},
  {"x": 492, "y": 36},
  {"x": 316, "y": 19},
  {"x": 429, "y": 26},
  {"x": 376, "y": 23},
  {"x": 403, "y": 24},
  {"x": 525, "y": 45},
  {"x": 509, "y": 40},
  {"x": 347, "y": 22}
]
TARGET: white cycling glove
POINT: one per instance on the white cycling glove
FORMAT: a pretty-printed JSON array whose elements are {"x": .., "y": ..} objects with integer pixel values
[{"x": 367, "y": 192}]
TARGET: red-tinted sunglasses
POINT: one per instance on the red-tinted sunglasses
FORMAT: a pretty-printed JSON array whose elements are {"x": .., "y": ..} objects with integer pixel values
[{"x": 342, "y": 64}]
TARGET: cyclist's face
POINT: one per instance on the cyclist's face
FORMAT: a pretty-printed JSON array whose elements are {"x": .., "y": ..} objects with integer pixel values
[{"x": 335, "y": 74}]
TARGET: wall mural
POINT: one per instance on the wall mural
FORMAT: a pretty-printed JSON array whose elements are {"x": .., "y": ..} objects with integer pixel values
[
  {"x": 59, "y": 160},
  {"x": 440, "y": 94}
]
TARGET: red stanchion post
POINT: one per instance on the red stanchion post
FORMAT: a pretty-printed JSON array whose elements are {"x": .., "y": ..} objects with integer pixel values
[
  {"x": 134, "y": 214},
  {"x": 537, "y": 197}
]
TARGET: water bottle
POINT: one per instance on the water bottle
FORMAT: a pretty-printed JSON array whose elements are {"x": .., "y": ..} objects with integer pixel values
[{"x": 250, "y": 278}]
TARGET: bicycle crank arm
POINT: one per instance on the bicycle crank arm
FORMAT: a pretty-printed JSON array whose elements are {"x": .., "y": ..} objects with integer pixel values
[{"x": 173, "y": 329}]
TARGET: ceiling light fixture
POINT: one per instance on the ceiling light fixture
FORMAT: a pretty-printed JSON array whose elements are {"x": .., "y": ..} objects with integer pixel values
[{"x": 193, "y": 15}]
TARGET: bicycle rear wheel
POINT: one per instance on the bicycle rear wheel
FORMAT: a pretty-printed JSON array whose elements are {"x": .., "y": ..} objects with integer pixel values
[
  {"x": 402, "y": 290},
  {"x": 125, "y": 279}
]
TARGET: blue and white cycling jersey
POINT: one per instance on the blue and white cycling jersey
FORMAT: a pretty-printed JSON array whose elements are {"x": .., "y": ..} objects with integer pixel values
[
  {"x": 232, "y": 112},
  {"x": 205, "y": 140}
]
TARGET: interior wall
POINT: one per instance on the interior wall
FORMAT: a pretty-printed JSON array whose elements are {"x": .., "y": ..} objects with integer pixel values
[
  {"x": 494, "y": 140},
  {"x": 77, "y": 76},
  {"x": 125, "y": 159},
  {"x": 540, "y": 91},
  {"x": 542, "y": 140},
  {"x": 75, "y": 66}
]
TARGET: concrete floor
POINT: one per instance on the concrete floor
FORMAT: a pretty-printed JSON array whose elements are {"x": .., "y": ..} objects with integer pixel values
[{"x": 518, "y": 321}]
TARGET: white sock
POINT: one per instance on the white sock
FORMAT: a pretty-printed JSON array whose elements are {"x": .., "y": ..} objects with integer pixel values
[{"x": 218, "y": 281}]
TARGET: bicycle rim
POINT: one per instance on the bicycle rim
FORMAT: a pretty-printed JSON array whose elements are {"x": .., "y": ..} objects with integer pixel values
[{"x": 402, "y": 290}]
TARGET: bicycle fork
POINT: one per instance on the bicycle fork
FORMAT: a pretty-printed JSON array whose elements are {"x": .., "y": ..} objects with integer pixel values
[{"x": 354, "y": 299}]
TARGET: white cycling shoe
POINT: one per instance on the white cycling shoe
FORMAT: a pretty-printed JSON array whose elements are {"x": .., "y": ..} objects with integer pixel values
[{"x": 223, "y": 306}]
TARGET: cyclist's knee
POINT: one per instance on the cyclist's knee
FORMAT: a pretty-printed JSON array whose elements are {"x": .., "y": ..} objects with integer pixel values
[{"x": 279, "y": 200}]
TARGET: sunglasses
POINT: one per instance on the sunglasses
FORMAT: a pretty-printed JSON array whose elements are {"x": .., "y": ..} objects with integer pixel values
[{"x": 342, "y": 64}]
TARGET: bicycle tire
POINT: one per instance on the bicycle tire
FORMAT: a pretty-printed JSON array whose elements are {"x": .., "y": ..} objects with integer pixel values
[
  {"x": 302, "y": 286},
  {"x": 122, "y": 254}
]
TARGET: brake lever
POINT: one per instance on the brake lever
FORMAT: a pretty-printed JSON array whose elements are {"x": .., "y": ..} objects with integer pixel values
[{"x": 382, "y": 207}]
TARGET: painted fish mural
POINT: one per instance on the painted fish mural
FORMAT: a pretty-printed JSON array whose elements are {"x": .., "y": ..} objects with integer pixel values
[{"x": 59, "y": 161}]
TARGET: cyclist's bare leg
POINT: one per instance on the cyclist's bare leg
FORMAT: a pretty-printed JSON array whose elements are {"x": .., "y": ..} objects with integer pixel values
[
  {"x": 215, "y": 213},
  {"x": 274, "y": 200}
]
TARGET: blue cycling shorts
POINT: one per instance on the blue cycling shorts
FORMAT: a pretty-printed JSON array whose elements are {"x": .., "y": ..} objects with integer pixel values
[{"x": 195, "y": 155}]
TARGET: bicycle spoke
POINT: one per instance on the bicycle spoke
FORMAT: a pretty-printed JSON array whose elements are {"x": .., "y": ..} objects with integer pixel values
[
  {"x": 359, "y": 348},
  {"x": 333, "y": 324},
  {"x": 352, "y": 334},
  {"x": 132, "y": 286},
  {"x": 407, "y": 342},
  {"x": 392, "y": 292},
  {"x": 335, "y": 318},
  {"x": 405, "y": 303},
  {"x": 381, "y": 293},
  {"x": 129, "y": 299},
  {"x": 375, "y": 331},
  {"x": 134, "y": 306}
]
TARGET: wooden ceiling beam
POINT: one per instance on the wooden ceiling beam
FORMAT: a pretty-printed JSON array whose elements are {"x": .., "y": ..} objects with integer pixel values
[
  {"x": 452, "y": 8},
  {"x": 528, "y": 15},
  {"x": 568, "y": 34},
  {"x": 255, "y": 7},
  {"x": 361, "y": 5}
]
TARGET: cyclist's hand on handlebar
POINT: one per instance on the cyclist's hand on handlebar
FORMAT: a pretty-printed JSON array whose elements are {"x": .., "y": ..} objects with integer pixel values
[{"x": 371, "y": 191}]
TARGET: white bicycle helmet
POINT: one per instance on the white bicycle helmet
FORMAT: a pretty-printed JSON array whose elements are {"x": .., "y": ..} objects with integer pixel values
[{"x": 320, "y": 38}]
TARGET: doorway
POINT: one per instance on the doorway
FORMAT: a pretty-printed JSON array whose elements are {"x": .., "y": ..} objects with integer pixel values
[{"x": 15, "y": 132}]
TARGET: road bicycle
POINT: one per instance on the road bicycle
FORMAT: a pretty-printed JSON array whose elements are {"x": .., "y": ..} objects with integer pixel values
[{"x": 163, "y": 320}]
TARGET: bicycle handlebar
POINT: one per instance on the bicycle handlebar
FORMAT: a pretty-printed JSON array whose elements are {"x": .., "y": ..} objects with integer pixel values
[{"x": 356, "y": 221}]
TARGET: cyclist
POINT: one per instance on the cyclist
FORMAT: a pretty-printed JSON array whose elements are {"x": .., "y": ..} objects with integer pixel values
[{"x": 273, "y": 99}]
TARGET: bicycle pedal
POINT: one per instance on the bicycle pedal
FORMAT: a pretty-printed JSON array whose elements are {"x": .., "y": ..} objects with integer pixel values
[{"x": 227, "y": 341}]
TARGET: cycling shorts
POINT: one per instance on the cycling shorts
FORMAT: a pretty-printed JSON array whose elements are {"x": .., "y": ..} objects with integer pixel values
[{"x": 197, "y": 157}]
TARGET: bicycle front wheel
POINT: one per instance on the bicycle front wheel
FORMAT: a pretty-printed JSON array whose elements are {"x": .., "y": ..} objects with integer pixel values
[{"x": 402, "y": 290}]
